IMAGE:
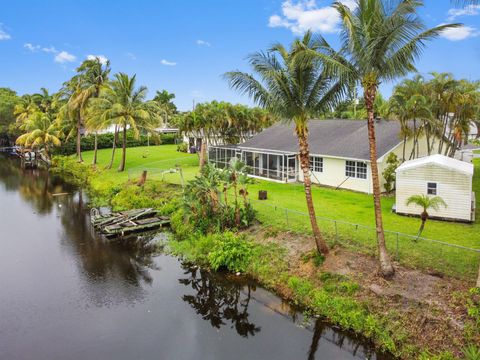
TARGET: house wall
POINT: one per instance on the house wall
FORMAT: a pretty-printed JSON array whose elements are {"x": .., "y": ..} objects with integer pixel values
[
  {"x": 334, "y": 174},
  {"x": 454, "y": 187}
]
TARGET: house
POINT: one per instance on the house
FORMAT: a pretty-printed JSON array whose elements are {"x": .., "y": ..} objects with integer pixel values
[
  {"x": 437, "y": 175},
  {"x": 339, "y": 152}
]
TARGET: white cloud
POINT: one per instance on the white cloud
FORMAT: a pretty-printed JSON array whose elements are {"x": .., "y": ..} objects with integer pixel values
[
  {"x": 305, "y": 15},
  {"x": 203, "y": 43},
  {"x": 31, "y": 47},
  {"x": 50, "y": 49},
  {"x": 3, "y": 34},
  {"x": 470, "y": 10},
  {"x": 131, "y": 56},
  {"x": 460, "y": 33},
  {"x": 103, "y": 59},
  {"x": 63, "y": 57},
  {"x": 168, "y": 63}
]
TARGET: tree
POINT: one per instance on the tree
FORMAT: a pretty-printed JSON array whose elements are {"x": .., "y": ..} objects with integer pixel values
[
  {"x": 389, "y": 172},
  {"x": 8, "y": 101},
  {"x": 426, "y": 203},
  {"x": 94, "y": 74},
  {"x": 165, "y": 100},
  {"x": 123, "y": 104},
  {"x": 380, "y": 41},
  {"x": 41, "y": 133},
  {"x": 291, "y": 84}
]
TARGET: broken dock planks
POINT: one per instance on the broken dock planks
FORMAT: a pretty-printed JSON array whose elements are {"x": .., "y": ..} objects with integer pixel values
[{"x": 127, "y": 222}]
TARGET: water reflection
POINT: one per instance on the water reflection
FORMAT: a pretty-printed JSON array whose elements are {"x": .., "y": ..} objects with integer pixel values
[{"x": 219, "y": 301}]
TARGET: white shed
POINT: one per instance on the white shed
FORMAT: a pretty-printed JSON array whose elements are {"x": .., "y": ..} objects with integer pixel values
[{"x": 440, "y": 175}]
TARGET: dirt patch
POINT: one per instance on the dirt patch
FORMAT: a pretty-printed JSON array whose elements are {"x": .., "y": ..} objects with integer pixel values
[{"x": 427, "y": 306}]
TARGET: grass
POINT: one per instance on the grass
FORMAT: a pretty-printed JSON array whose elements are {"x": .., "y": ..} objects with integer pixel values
[
  {"x": 154, "y": 159},
  {"x": 340, "y": 205}
]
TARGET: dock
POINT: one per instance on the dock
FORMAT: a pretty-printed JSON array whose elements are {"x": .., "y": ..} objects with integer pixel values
[{"x": 127, "y": 222}]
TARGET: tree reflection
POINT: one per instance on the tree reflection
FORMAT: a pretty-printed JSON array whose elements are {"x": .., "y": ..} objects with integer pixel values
[
  {"x": 358, "y": 347},
  {"x": 219, "y": 300}
]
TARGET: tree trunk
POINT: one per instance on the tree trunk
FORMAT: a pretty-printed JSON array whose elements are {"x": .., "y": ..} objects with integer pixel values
[
  {"x": 79, "y": 144},
  {"x": 143, "y": 178},
  {"x": 386, "y": 266},
  {"x": 424, "y": 217},
  {"x": 124, "y": 149},
  {"x": 404, "y": 146},
  {"x": 115, "y": 138},
  {"x": 305, "y": 166},
  {"x": 203, "y": 154},
  {"x": 94, "y": 162}
]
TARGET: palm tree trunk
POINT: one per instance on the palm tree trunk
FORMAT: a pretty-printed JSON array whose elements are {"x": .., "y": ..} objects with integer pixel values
[
  {"x": 94, "y": 162},
  {"x": 124, "y": 149},
  {"x": 203, "y": 154},
  {"x": 305, "y": 166},
  {"x": 386, "y": 266},
  {"x": 422, "y": 226},
  {"x": 79, "y": 144},
  {"x": 114, "y": 146}
]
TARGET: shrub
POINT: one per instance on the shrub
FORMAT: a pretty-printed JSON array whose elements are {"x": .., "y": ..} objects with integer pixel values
[
  {"x": 389, "y": 172},
  {"x": 182, "y": 147},
  {"x": 230, "y": 252}
]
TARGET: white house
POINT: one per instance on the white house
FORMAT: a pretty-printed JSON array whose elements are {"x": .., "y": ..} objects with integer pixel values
[
  {"x": 451, "y": 179},
  {"x": 339, "y": 150}
]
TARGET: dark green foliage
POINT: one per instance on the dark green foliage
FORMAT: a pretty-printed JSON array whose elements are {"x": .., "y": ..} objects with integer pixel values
[
  {"x": 389, "y": 172},
  {"x": 206, "y": 199},
  {"x": 71, "y": 170},
  {"x": 230, "y": 252},
  {"x": 105, "y": 141}
]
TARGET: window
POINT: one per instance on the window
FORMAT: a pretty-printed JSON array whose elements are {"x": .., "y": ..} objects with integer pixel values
[
  {"x": 316, "y": 164},
  {"x": 356, "y": 169},
  {"x": 432, "y": 188}
]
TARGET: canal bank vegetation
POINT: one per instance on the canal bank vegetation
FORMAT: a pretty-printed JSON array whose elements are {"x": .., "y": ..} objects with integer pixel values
[{"x": 415, "y": 313}]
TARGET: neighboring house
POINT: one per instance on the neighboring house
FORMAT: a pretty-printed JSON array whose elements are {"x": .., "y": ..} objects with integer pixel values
[
  {"x": 339, "y": 151},
  {"x": 434, "y": 175}
]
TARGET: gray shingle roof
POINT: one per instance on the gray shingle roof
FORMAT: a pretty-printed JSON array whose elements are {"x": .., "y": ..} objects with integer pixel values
[{"x": 339, "y": 138}]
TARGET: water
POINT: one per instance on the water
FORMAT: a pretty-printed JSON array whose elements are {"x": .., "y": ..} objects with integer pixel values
[{"x": 67, "y": 294}]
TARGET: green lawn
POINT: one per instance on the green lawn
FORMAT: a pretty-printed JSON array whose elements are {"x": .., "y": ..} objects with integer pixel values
[
  {"x": 154, "y": 159},
  {"x": 339, "y": 205}
]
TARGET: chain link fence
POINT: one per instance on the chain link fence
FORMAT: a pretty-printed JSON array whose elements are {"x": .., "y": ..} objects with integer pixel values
[{"x": 418, "y": 252}]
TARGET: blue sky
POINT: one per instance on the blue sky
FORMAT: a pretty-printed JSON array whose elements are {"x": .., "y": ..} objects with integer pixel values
[{"x": 185, "y": 46}]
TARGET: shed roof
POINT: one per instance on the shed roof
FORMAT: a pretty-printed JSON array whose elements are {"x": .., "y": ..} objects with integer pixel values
[
  {"x": 440, "y": 160},
  {"x": 336, "y": 138}
]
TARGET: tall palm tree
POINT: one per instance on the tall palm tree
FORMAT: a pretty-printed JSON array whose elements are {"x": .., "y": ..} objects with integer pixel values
[
  {"x": 290, "y": 83},
  {"x": 426, "y": 203},
  {"x": 123, "y": 104},
  {"x": 380, "y": 42},
  {"x": 94, "y": 74}
]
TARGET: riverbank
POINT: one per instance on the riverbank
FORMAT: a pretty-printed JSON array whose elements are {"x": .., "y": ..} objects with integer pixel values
[{"x": 414, "y": 313}]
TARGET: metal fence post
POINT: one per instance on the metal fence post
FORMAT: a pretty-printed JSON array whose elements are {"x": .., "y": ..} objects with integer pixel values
[
  {"x": 396, "y": 249},
  {"x": 286, "y": 216},
  {"x": 336, "y": 231}
]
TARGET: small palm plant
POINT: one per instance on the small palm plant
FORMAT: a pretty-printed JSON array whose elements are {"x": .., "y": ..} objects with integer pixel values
[{"x": 426, "y": 203}]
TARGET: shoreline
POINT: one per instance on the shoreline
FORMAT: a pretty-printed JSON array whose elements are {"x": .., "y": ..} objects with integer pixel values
[{"x": 395, "y": 322}]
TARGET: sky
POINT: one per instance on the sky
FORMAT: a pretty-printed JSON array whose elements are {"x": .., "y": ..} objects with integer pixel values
[{"x": 186, "y": 46}]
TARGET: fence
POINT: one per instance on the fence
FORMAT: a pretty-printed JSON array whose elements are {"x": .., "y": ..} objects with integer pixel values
[{"x": 418, "y": 252}]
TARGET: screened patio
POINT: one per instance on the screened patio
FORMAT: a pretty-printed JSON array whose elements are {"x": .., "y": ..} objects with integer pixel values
[{"x": 263, "y": 164}]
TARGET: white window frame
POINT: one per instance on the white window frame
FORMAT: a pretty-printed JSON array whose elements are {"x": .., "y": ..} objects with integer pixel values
[
  {"x": 316, "y": 164},
  {"x": 433, "y": 189},
  {"x": 356, "y": 169}
]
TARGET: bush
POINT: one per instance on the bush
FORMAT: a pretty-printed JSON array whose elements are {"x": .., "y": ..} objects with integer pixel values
[
  {"x": 182, "y": 147},
  {"x": 389, "y": 172},
  {"x": 105, "y": 141},
  {"x": 231, "y": 252}
]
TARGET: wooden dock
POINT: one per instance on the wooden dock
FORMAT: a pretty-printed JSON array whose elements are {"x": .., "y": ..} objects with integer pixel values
[{"x": 127, "y": 222}]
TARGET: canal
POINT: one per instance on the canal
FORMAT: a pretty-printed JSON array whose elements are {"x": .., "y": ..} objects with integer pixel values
[{"x": 68, "y": 294}]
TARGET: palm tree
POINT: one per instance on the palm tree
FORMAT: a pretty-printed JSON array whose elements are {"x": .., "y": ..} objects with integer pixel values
[
  {"x": 380, "y": 42},
  {"x": 94, "y": 74},
  {"x": 41, "y": 133},
  {"x": 426, "y": 203},
  {"x": 291, "y": 84},
  {"x": 122, "y": 104}
]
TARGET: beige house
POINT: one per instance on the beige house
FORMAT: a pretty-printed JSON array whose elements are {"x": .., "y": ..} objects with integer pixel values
[
  {"x": 339, "y": 151},
  {"x": 437, "y": 175}
]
